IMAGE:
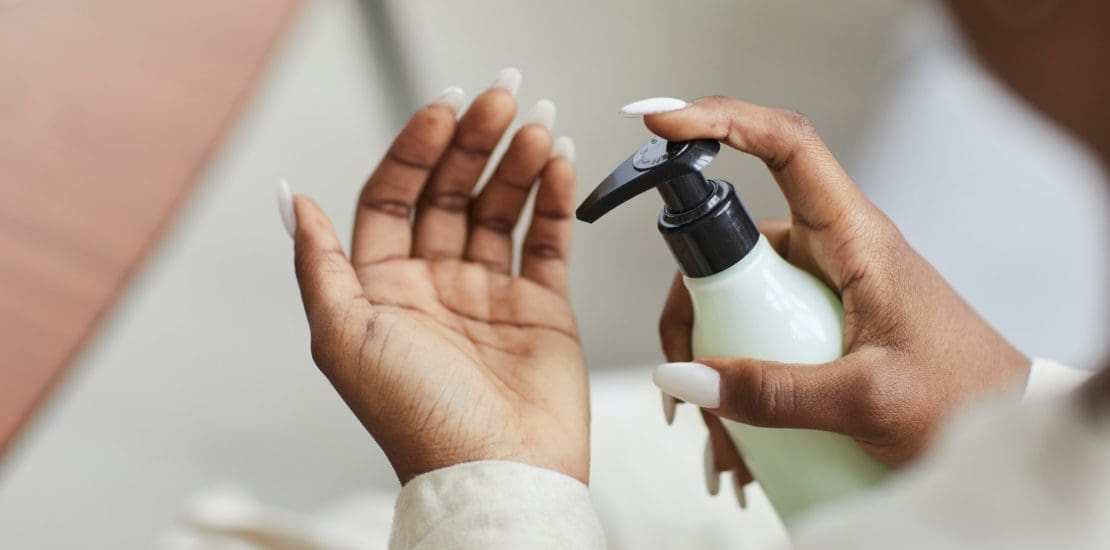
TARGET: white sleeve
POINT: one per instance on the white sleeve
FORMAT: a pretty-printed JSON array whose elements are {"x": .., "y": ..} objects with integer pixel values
[
  {"x": 493, "y": 504},
  {"x": 1049, "y": 377},
  {"x": 1005, "y": 475}
]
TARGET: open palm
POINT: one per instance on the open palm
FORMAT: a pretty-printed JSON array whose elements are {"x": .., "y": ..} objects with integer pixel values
[{"x": 443, "y": 353}]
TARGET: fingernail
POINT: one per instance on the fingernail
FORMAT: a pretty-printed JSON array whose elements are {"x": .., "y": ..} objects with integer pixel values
[
  {"x": 653, "y": 106},
  {"x": 508, "y": 79},
  {"x": 285, "y": 207},
  {"x": 542, "y": 113},
  {"x": 453, "y": 98},
  {"x": 712, "y": 476},
  {"x": 564, "y": 147},
  {"x": 668, "y": 408},
  {"x": 738, "y": 488},
  {"x": 691, "y": 382}
]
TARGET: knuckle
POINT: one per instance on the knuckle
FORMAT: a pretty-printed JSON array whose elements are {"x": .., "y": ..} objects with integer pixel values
[
  {"x": 450, "y": 200},
  {"x": 498, "y": 224},
  {"x": 760, "y": 398},
  {"x": 880, "y": 231},
  {"x": 800, "y": 126},
  {"x": 542, "y": 248},
  {"x": 876, "y": 403},
  {"x": 390, "y": 207}
]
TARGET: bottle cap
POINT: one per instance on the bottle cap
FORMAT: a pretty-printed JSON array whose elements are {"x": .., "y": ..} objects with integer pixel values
[{"x": 703, "y": 221}]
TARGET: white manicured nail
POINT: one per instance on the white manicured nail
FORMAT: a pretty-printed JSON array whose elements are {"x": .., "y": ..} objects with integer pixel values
[
  {"x": 712, "y": 476},
  {"x": 668, "y": 408},
  {"x": 453, "y": 98},
  {"x": 508, "y": 79},
  {"x": 285, "y": 207},
  {"x": 738, "y": 488},
  {"x": 542, "y": 113},
  {"x": 653, "y": 106},
  {"x": 691, "y": 382},
  {"x": 564, "y": 147}
]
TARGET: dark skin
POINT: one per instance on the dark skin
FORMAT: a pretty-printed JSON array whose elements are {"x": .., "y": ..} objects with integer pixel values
[
  {"x": 442, "y": 351},
  {"x": 914, "y": 350},
  {"x": 1052, "y": 54},
  {"x": 446, "y": 355}
]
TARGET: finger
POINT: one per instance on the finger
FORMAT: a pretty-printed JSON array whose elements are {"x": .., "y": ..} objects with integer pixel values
[
  {"x": 677, "y": 322},
  {"x": 777, "y": 395},
  {"x": 383, "y": 229},
  {"x": 497, "y": 208},
  {"x": 726, "y": 457},
  {"x": 546, "y": 249},
  {"x": 815, "y": 185},
  {"x": 329, "y": 287},
  {"x": 440, "y": 228}
]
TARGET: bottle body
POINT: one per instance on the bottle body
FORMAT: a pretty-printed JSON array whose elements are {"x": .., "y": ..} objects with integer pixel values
[{"x": 765, "y": 308}]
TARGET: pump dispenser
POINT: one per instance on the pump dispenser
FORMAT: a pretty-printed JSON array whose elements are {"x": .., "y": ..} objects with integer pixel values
[{"x": 747, "y": 302}]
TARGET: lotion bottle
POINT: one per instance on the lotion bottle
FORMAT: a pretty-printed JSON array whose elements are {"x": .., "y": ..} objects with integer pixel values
[{"x": 747, "y": 302}]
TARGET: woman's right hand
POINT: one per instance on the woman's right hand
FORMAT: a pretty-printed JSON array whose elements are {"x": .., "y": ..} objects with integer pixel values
[{"x": 913, "y": 349}]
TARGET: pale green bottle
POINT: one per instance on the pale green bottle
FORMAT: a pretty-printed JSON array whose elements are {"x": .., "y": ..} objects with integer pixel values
[{"x": 748, "y": 302}]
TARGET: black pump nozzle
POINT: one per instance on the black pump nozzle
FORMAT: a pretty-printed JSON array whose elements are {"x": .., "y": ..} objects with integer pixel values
[
  {"x": 703, "y": 222},
  {"x": 673, "y": 168}
]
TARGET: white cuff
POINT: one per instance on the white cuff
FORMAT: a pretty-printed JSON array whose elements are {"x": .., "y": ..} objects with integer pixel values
[
  {"x": 495, "y": 504},
  {"x": 1051, "y": 378}
]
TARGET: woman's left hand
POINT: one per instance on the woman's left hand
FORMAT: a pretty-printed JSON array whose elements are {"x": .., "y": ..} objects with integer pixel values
[{"x": 444, "y": 352}]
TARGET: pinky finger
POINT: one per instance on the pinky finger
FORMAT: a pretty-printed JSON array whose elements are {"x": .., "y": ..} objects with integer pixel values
[{"x": 547, "y": 244}]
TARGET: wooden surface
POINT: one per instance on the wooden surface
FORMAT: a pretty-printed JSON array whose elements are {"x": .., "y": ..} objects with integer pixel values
[{"x": 108, "y": 111}]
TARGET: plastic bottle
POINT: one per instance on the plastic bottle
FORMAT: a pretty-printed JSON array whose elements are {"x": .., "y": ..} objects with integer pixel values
[{"x": 748, "y": 302}]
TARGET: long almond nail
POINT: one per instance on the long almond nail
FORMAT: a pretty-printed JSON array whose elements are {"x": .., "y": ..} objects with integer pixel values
[
  {"x": 542, "y": 113},
  {"x": 691, "y": 382},
  {"x": 668, "y": 408},
  {"x": 563, "y": 148},
  {"x": 653, "y": 106},
  {"x": 508, "y": 79},
  {"x": 712, "y": 476},
  {"x": 453, "y": 98},
  {"x": 738, "y": 488},
  {"x": 285, "y": 207}
]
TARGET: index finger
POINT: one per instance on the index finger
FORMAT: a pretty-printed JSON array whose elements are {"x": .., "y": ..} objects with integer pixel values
[
  {"x": 383, "y": 230},
  {"x": 815, "y": 186}
]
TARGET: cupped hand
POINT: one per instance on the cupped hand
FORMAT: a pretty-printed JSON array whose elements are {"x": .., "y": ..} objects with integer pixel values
[
  {"x": 444, "y": 351},
  {"x": 913, "y": 349}
]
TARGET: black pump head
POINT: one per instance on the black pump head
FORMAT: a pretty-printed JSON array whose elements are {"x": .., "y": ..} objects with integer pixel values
[
  {"x": 703, "y": 221},
  {"x": 673, "y": 168}
]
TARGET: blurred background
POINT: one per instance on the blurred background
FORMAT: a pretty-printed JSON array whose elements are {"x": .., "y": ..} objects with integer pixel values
[{"x": 200, "y": 372}]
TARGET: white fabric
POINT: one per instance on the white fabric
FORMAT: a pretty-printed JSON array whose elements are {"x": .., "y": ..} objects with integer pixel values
[
  {"x": 1015, "y": 475},
  {"x": 495, "y": 504},
  {"x": 1047, "y": 377}
]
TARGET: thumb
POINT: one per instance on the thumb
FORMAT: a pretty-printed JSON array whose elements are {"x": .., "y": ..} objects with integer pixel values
[
  {"x": 329, "y": 287},
  {"x": 765, "y": 393}
]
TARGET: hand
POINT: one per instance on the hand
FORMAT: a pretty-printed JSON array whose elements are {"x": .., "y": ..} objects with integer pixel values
[
  {"x": 441, "y": 351},
  {"x": 914, "y": 350}
]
